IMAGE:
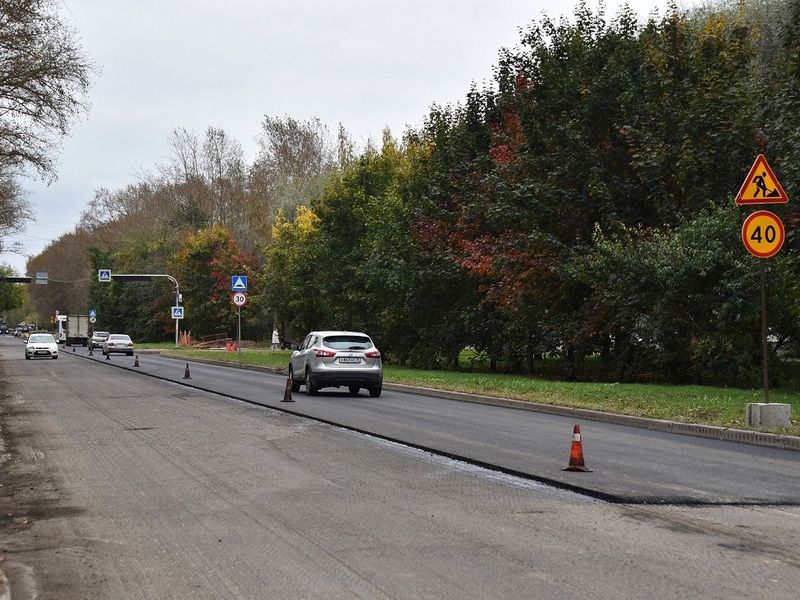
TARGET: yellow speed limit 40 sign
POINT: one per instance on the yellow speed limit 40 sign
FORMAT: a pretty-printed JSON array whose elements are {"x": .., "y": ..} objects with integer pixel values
[{"x": 763, "y": 234}]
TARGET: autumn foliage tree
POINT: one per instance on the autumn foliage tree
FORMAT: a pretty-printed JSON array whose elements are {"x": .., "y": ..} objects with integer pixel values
[{"x": 204, "y": 268}]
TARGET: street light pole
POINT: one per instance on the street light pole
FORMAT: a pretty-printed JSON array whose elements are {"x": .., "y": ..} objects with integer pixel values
[{"x": 177, "y": 303}]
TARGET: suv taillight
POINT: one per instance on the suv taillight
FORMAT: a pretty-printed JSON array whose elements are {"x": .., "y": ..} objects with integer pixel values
[
  {"x": 373, "y": 353},
  {"x": 320, "y": 353}
]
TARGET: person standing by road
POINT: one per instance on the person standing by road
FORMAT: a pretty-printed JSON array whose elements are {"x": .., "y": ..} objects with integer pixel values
[{"x": 276, "y": 339}]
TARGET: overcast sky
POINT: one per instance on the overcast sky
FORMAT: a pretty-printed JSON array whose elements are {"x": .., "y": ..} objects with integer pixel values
[{"x": 196, "y": 64}]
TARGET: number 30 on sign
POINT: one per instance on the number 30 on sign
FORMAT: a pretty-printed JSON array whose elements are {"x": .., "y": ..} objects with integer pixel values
[
  {"x": 239, "y": 298},
  {"x": 763, "y": 234}
]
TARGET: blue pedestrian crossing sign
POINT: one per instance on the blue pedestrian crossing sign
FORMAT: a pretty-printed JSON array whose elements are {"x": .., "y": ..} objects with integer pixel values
[
  {"x": 93, "y": 313},
  {"x": 177, "y": 312},
  {"x": 104, "y": 275},
  {"x": 239, "y": 283}
]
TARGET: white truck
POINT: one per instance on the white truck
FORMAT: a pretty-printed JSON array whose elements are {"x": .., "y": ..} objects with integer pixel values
[{"x": 73, "y": 330}]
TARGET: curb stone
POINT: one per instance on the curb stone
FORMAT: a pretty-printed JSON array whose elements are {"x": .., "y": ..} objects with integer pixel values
[{"x": 5, "y": 587}]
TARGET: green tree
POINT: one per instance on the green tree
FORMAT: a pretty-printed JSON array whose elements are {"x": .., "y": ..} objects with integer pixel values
[
  {"x": 683, "y": 305},
  {"x": 138, "y": 308},
  {"x": 448, "y": 159},
  {"x": 292, "y": 294},
  {"x": 11, "y": 294}
]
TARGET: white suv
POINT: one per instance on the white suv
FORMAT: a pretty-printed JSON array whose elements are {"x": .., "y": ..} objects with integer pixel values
[{"x": 335, "y": 359}]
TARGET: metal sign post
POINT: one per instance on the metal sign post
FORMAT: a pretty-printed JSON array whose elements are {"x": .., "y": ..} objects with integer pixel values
[
  {"x": 239, "y": 299},
  {"x": 764, "y": 346},
  {"x": 763, "y": 235}
]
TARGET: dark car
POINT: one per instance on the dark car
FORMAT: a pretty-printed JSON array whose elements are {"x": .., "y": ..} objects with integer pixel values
[{"x": 335, "y": 359}]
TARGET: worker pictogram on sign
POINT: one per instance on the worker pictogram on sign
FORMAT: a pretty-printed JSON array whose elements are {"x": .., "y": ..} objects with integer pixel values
[{"x": 761, "y": 186}]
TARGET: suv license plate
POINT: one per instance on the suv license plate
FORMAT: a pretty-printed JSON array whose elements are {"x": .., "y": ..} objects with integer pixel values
[{"x": 349, "y": 360}]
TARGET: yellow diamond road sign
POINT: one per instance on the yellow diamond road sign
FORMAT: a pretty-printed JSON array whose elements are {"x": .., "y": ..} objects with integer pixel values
[{"x": 761, "y": 186}]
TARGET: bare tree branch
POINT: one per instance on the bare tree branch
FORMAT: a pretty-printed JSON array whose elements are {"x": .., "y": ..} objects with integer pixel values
[{"x": 44, "y": 79}]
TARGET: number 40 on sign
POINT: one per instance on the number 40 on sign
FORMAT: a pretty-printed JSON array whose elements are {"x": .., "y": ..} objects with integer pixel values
[{"x": 763, "y": 234}]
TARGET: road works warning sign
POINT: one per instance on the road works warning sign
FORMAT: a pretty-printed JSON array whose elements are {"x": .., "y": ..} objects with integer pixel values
[{"x": 761, "y": 186}]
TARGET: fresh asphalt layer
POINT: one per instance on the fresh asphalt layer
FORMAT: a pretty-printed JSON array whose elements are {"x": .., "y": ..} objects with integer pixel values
[{"x": 704, "y": 465}]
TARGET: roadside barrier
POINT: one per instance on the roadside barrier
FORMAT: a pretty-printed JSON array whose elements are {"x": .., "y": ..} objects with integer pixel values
[{"x": 576, "y": 453}]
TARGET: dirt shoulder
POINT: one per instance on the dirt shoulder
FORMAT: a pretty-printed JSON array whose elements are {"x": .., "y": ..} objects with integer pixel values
[{"x": 34, "y": 509}]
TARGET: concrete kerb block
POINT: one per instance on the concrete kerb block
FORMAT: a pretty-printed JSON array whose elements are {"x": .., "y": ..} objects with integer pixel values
[
  {"x": 768, "y": 414},
  {"x": 5, "y": 587}
]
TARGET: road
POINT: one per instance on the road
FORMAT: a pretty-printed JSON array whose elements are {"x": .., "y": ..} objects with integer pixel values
[
  {"x": 631, "y": 465},
  {"x": 120, "y": 485}
]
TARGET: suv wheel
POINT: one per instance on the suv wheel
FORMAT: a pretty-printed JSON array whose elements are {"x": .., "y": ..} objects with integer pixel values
[
  {"x": 311, "y": 389},
  {"x": 295, "y": 384},
  {"x": 376, "y": 390}
]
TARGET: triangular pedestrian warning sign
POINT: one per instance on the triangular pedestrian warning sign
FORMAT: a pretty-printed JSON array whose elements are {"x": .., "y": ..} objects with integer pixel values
[{"x": 761, "y": 186}]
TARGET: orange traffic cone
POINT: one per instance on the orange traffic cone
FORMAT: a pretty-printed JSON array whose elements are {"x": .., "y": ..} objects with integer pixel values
[
  {"x": 287, "y": 392},
  {"x": 186, "y": 372},
  {"x": 136, "y": 361},
  {"x": 576, "y": 453},
  {"x": 108, "y": 355}
]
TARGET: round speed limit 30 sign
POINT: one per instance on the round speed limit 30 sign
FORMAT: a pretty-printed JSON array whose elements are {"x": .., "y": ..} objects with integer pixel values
[
  {"x": 239, "y": 298},
  {"x": 763, "y": 234}
]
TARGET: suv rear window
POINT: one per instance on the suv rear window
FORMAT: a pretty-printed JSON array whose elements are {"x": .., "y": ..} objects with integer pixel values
[{"x": 347, "y": 342}]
